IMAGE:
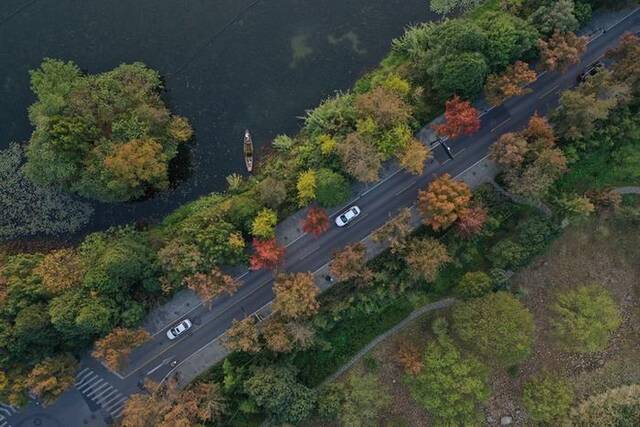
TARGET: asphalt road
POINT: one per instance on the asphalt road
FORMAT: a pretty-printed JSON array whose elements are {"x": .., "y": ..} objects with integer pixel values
[{"x": 308, "y": 253}]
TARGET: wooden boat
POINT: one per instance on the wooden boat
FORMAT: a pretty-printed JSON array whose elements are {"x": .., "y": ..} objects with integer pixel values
[{"x": 248, "y": 150}]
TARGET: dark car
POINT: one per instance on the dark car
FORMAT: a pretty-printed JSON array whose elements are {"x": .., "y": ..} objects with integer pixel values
[{"x": 590, "y": 71}]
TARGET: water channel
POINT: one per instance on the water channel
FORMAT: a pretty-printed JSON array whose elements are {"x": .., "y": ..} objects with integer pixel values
[{"x": 228, "y": 65}]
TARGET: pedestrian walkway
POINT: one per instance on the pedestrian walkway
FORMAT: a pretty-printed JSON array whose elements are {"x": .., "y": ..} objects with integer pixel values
[
  {"x": 100, "y": 392},
  {"x": 6, "y": 412}
]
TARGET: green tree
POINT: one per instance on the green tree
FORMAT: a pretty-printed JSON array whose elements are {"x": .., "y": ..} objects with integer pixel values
[
  {"x": 364, "y": 399},
  {"x": 277, "y": 391},
  {"x": 474, "y": 284},
  {"x": 451, "y": 387},
  {"x": 555, "y": 16},
  {"x": 584, "y": 318},
  {"x": 547, "y": 398},
  {"x": 497, "y": 326},
  {"x": 263, "y": 226},
  {"x": 509, "y": 38},
  {"x": 615, "y": 407},
  {"x": 460, "y": 74},
  {"x": 332, "y": 188}
]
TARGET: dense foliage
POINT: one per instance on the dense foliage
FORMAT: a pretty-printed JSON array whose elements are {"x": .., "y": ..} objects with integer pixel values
[
  {"x": 547, "y": 398},
  {"x": 107, "y": 136}
]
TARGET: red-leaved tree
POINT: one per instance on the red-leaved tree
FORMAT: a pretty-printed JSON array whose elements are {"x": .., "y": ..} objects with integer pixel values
[
  {"x": 471, "y": 221},
  {"x": 460, "y": 119},
  {"x": 316, "y": 222},
  {"x": 267, "y": 254}
]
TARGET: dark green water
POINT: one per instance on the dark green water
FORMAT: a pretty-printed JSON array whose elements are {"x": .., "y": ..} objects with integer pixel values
[{"x": 228, "y": 65}]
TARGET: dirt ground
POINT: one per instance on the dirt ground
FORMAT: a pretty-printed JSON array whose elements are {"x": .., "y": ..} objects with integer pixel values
[{"x": 604, "y": 251}]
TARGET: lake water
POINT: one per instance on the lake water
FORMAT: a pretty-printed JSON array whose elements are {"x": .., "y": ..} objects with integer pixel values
[{"x": 228, "y": 65}]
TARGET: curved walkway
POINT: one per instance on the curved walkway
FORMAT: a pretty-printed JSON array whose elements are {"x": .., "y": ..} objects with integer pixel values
[
  {"x": 377, "y": 340},
  {"x": 627, "y": 190}
]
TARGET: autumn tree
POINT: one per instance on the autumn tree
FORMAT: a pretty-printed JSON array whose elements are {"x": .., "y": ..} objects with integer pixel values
[
  {"x": 51, "y": 377},
  {"x": 350, "y": 263},
  {"x": 509, "y": 150},
  {"x": 409, "y": 358},
  {"x": 242, "y": 336},
  {"x": 413, "y": 156},
  {"x": 306, "y": 187},
  {"x": 359, "y": 158},
  {"x": 530, "y": 159},
  {"x": 295, "y": 295},
  {"x": 578, "y": 112},
  {"x": 626, "y": 55},
  {"x": 561, "y": 51},
  {"x": 512, "y": 82},
  {"x": 460, "y": 119},
  {"x": 395, "y": 231},
  {"x": 471, "y": 222},
  {"x": 137, "y": 164},
  {"x": 425, "y": 257},
  {"x": 267, "y": 254},
  {"x": 316, "y": 222},
  {"x": 386, "y": 107},
  {"x": 166, "y": 406},
  {"x": 60, "y": 271},
  {"x": 443, "y": 202},
  {"x": 210, "y": 285},
  {"x": 275, "y": 335},
  {"x": 263, "y": 225},
  {"x": 114, "y": 349}
]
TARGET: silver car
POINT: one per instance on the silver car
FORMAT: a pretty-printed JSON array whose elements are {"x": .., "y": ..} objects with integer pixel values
[
  {"x": 178, "y": 329},
  {"x": 347, "y": 216}
]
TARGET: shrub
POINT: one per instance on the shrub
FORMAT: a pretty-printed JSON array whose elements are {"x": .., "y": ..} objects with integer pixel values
[
  {"x": 474, "y": 284},
  {"x": 616, "y": 407},
  {"x": 547, "y": 398},
  {"x": 585, "y": 318},
  {"x": 507, "y": 254},
  {"x": 497, "y": 326}
]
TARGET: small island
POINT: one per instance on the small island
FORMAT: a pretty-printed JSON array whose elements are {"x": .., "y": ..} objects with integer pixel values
[{"x": 107, "y": 136}]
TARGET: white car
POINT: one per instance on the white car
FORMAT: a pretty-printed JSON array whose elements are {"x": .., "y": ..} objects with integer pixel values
[
  {"x": 347, "y": 216},
  {"x": 178, "y": 329}
]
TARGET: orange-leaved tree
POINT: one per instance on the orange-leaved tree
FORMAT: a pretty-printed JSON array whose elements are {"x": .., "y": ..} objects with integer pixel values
[
  {"x": 295, "y": 295},
  {"x": 114, "y": 348},
  {"x": 471, "y": 222},
  {"x": 316, "y": 221},
  {"x": 460, "y": 119},
  {"x": 512, "y": 82},
  {"x": 561, "y": 51},
  {"x": 52, "y": 376},
  {"x": 242, "y": 336},
  {"x": 350, "y": 263},
  {"x": 210, "y": 285},
  {"x": 267, "y": 254},
  {"x": 443, "y": 202}
]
